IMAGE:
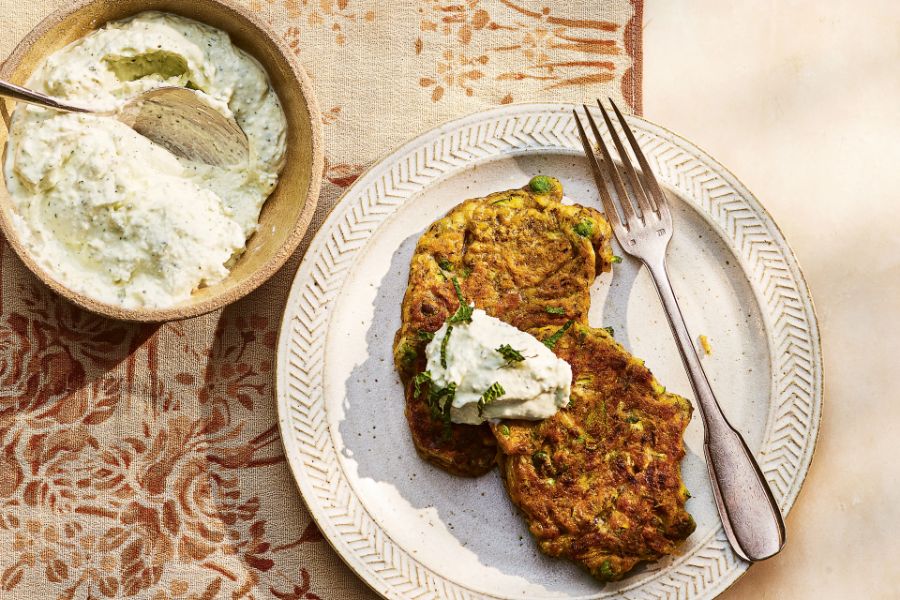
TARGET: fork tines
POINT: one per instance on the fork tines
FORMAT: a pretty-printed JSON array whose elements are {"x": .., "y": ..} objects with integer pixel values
[{"x": 645, "y": 190}]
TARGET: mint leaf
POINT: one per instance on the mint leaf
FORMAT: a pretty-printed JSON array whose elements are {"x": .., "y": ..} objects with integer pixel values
[
  {"x": 550, "y": 342},
  {"x": 444, "y": 343},
  {"x": 510, "y": 354},
  {"x": 423, "y": 378},
  {"x": 492, "y": 393}
]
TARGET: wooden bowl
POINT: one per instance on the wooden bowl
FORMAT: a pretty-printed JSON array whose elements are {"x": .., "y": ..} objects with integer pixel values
[{"x": 285, "y": 215}]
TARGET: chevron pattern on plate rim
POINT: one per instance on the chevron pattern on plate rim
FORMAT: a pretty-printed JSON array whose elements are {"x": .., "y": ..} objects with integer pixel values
[{"x": 796, "y": 388}]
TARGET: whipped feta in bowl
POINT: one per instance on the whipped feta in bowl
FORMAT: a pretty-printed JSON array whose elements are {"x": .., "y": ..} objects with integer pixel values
[{"x": 119, "y": 224}]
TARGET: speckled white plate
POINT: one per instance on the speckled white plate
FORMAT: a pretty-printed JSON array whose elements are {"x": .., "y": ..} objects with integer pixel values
[{"x": 412, "y": 531}]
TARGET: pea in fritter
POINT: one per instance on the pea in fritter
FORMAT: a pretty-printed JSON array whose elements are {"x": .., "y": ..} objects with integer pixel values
[
  {"x": 600, "y": 481},
  {"x": 520, "y": 255}
]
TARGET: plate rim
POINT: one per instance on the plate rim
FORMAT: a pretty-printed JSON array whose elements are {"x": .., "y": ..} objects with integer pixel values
[{"x": 384, "y": 165}]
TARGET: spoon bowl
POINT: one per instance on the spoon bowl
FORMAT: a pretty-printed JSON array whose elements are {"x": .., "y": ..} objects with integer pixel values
[
  {"x": 179, "y": 119},
  {"x": 182, "y": 121}
]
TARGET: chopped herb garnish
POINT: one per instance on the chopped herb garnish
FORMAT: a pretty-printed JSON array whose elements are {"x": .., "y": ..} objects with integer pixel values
[
  {"x": 425, "y": 336},
  {"x": 616, "y": 259},
  {"x": 610, "y": 331},
  {"x": 445, "y": 264},
  {"x": 510, "y": 354},
  {"x": 540, "y": 184},
  {"x": 444, "y": 346},
  {"x": 492, "y": 393},
  {"x": 467, "y": 270},
  {"x": 550, "y": 342},
  {"x": 440, "y": 402},
  {"x": 459, "y": 294},
  {"x": 584, "y": 228},
  {"x": 555, "y": 310},
  {"x": 632, "y": 419},
  {"x": 463, "y": 314},
  {"x": 504, "y": 430},
  {"x": 421, "y": 379}
]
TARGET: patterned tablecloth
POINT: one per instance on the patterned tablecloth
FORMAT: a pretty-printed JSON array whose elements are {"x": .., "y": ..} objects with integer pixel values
[{"x": 144, "y": 461}]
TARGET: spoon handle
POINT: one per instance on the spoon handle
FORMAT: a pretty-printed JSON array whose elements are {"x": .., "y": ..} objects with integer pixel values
[{"x": 21, "y": 94}]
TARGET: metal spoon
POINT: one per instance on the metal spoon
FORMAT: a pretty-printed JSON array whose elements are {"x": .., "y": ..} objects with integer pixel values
[{"x": 174, "y": 117}]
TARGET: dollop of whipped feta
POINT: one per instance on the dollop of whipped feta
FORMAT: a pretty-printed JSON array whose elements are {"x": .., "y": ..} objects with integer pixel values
[{"x": 533, "y": 388}]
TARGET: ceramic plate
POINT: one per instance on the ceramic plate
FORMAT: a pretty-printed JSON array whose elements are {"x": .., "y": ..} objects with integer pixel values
[{"x": 412, "y": 531}]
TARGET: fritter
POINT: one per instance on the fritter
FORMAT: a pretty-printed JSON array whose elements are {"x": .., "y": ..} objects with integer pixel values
[
  {"x": 520, "y": 255},
  {"x": 600, "y": 481}
]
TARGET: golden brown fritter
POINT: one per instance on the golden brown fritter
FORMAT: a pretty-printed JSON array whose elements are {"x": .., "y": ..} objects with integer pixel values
[
  {"x": 514, "y": 254},
  {"x": 600, "y": 481}
]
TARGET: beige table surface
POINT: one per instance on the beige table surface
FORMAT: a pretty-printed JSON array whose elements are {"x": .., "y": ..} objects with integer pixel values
[{"x": 802, "y": 101}]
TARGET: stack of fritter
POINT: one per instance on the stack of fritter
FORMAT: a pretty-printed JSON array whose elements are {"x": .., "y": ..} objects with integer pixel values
[
  {"x": 513, "y": 254},
  {"x": 600, "y": 481}
]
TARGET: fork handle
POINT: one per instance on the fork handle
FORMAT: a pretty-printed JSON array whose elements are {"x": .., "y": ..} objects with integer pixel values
[{"x": 751, "y": 518}]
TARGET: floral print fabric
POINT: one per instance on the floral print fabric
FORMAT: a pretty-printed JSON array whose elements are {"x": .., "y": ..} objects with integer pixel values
[{"x": 144, "y": 460}]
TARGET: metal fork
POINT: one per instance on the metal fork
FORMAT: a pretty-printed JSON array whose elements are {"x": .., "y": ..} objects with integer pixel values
[{"x": 746, "y": 506}]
